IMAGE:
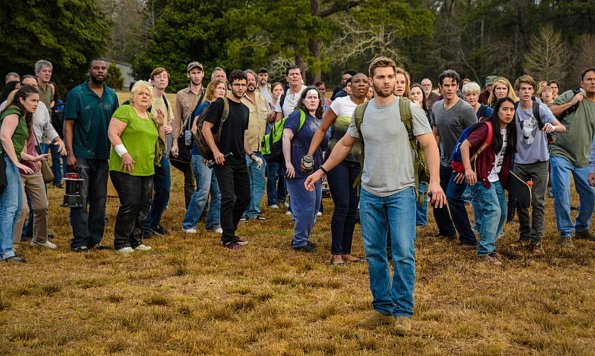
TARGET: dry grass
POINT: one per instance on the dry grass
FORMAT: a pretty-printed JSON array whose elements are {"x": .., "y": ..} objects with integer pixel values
[{"x": 190, "y": 296}]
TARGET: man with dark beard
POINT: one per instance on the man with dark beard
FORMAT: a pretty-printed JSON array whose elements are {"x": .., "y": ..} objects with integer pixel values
[
  {"x": 228, "y": 153},
  {"x": 89, "y": 109}
]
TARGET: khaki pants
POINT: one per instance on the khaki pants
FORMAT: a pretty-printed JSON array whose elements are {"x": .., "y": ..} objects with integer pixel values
[{"x": 35, "y": 187}]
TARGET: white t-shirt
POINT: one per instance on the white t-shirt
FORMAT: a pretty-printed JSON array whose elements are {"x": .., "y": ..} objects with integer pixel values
[
  {"x": 291, "y": 101},
  {"x": 499, "y": 159},
  {"x": 343, "y": 106}
]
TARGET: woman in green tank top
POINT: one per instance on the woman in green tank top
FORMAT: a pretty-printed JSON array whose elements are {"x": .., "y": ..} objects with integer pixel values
[{"x": 15, "y": 123}]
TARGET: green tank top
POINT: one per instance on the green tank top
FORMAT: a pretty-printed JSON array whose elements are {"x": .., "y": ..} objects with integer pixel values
[{"x": 21, "y": 133}]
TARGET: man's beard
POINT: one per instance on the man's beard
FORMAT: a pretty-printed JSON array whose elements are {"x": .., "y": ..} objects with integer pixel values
[{"x": 378, "y": 92}]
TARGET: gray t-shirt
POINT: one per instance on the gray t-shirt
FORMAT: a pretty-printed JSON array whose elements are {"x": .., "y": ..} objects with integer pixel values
[
  {"x": 388, "y": 159},
  {"x": 450, "y": 124},
  {"x": 531, "y": 143}
]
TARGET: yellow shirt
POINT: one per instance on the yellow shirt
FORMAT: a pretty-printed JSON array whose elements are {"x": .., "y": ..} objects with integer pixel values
[{"x": 257, "y": 122}]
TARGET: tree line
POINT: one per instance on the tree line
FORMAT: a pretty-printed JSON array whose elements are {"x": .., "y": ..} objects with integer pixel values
[{"x": 549, "y": 39}]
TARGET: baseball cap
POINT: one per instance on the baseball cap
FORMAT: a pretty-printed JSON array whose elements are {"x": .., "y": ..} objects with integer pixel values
[
  {"x": 193, "y": 65},
  {"x": 262, "y": 70},
  {"x": 491, "y": 79}
]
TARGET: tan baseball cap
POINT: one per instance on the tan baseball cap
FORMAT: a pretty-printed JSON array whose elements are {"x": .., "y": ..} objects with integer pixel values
[{"x": 193, "y": 65}]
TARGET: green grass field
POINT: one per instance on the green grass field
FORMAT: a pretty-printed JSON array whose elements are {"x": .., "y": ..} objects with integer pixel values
[{"x": 191, "y": 296}]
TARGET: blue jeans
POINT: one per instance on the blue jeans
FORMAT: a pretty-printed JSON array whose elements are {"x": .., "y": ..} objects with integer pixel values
[
  {"x": 88, "y": 222},
  {"x": 493, "y": 215},
  {"x": 377, "y": 215},
  {"x": 58, "y": 165},
  {"x": 276, "y": 189},
  {"x": 304, "y": 206},
  {"x": 341, "y": 180},
  {"x": 560, "y": 177},
  {"x": 257, "y": 185},
  {"x": 161, "y": 189},
  {"x": 11, "y": 203},
  {"x": 421, "y": 206},
  {"x": 205, "y": 182}
]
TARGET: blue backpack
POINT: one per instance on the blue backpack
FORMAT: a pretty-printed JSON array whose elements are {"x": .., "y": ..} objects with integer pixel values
[{"x": 456, "y": 162}]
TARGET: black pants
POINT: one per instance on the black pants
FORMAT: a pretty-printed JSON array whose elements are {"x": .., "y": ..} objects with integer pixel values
[
  {"x": 234, "y": 184},
  {"x": 135, "y": 199}
]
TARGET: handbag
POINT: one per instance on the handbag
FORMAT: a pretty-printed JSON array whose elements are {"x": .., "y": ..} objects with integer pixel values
[
  {"x": 46, "y": 170},
  {"x": 184, "y": 158}
]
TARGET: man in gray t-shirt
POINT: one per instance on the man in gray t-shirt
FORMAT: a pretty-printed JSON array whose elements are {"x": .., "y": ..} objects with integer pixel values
[
  {"x": 387, "y": 197},
  {"x": 450, "y": 116},
  {"x": 531, "y": 160}
]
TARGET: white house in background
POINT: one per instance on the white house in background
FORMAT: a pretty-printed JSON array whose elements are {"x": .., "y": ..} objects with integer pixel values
[{"x": 126, "y": 69}]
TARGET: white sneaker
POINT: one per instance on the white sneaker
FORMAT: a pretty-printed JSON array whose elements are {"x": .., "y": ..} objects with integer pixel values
[
  {"x": 190, "y": 231},
  {"x": 46, "y": 244},
  {"x": 125, "y": 250},
  {"x": 143, "y": 247},
  {"x": 218, "y": 230},
  {"x": 274, "y": 206},
  {"x": 319, "y": 214},
  {"x": 288, "y": 213}
]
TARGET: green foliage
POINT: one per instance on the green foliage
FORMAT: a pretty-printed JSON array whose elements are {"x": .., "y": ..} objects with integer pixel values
[
  {"x": 187, "y": 30},
  {"x": 114, "y": 77},
  {"x": 68, "y": 33}
]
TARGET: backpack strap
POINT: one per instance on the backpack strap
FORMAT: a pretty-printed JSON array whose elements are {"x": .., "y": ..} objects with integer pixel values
[
  {"x": 486, "y": 143},
  {"x": 359, "y": 119},
  {"x": 302, "y": 119},
  {"x": 358, "y": 116},
  {"x": 537, "y": 114},
  {"x": 224, "y": 116}
]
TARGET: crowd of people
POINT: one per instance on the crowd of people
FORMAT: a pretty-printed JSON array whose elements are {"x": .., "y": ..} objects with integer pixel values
[{"x": 365, "y": 140}]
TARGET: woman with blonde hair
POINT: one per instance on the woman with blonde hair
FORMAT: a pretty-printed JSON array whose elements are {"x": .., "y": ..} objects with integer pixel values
[
  {"x": 133, "y": 133},
  {"x": 502, "y": 89},
  {"x": 206, "y": 182}
]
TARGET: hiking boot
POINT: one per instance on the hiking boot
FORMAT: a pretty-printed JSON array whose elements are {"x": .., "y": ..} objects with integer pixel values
[
  {"x": 402, "y": 325},
  {"x": 491, "y": 258},
  {"x": 374, "y": 319},
  {"x": 584, "y": 235},
  {"x": 536, "y": 249},
  {"x": 159, "y": 230},
  {"x": 566, "y": 242}
]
